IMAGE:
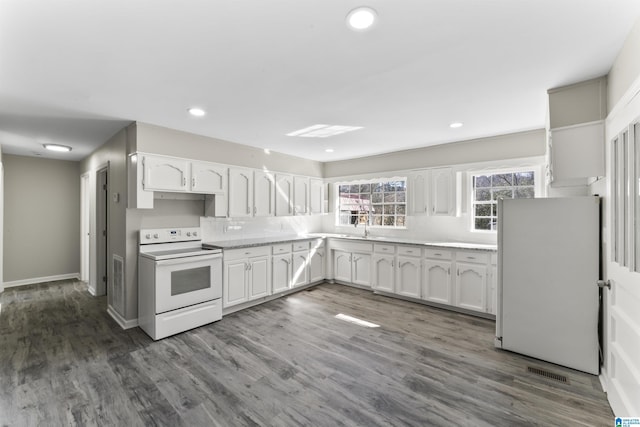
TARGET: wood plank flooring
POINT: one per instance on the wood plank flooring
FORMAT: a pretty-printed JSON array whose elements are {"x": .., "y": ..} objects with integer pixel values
[{"x": 288, "y": 362}]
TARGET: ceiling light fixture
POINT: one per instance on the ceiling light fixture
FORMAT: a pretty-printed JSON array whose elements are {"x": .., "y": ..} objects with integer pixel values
[
  {"x": 323, "y": 131},
  {"x": 197, "y": 112},
  {"x": 455, "y": 125},
  {"x": 361, "y": 18},
  {"x": 329, "y": 150},
  {"x": 57, "y": 147}
]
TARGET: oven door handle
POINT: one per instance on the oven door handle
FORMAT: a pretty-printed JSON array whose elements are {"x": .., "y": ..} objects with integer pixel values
[{"x": 182, "y": 260}]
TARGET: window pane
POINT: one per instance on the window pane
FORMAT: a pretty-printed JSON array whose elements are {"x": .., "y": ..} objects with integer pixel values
[
  {"x": 400, "y": 221},
  {"x": 376, "y": 188},
  {"x": 389, "y": 209},
  {"x": 505, "y": 194},
  {"x": 483, "y": 224},
  {"x": 525, "y": 193},
  {"x": 401, "y": 209},
  {"x": 401, "y": 196},
  {"x": 344, "y": 189},
  {"x": 377, "y": 220},
  {"x": 376, "y": 202},
  {"x": 482, "y": 181},
  {"x": 354, "y": 188},
  {"x": 494, "y": 209},
  {"x": 483, "y": 210},
  {"x": 388, "y": 220},
  {"x": 389, "y": 197},
  {"x": 524, "y": 178},
  {"x": 483, "y": 194},
  {"x": 377, "y": 209},
  {"x": 501, "y": 180},
  {"x": 376, "y": 197}
]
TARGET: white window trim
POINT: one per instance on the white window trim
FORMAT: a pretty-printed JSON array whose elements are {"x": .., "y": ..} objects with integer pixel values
[{"x": 539, "y": 187}]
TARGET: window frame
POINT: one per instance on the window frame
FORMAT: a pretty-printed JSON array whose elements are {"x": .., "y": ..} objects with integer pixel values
[
  {"x": 537, "y": 188},
  {"x": 370, "y": 218}
]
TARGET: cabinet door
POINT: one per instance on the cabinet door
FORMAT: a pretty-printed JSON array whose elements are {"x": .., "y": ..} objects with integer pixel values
[
  {"x": 165, "y": 173},
  {"x": 436, "y": 282},
  {"x": 235, "y": 282},
  {"x": 300, "y": 268},
  {"x": 361, "y": 269},
  {"x": 263, "y": 194},
  {"x": 316, "y": 196},
  {"x": 300, "y": 195},
  {"x": 240, "y": 197},
  {"x": 342, "y": 266},
  {"x": 284, "y": 195},
  {"x": 418, "y": 184},
  {"x": 316, "y": 265},
  {"x": 471, "y": 286},
  {"x": 492, "y": 300},
  {"x": 384, "y": 273},
  {"x": 208, "y": 178},
  {"x": 259, "y": 277},
  {"x": 281, "y": 267},
  {"x": 442, "y": 192},
  {"x": 408, "y": 277}
]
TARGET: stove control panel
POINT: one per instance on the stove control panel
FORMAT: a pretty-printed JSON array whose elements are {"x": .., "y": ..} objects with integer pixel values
[{"x": 166, "y": 235}]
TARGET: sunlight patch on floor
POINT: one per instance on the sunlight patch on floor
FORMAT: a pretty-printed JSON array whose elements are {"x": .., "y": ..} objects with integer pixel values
[{"x": 357, "y": 321}]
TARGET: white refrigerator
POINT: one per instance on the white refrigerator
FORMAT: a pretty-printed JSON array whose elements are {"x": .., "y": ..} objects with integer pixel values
[{"x": 548, "y": 268}]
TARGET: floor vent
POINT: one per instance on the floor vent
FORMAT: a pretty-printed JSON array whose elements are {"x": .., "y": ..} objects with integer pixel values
[{"x": 547, "y": 374}]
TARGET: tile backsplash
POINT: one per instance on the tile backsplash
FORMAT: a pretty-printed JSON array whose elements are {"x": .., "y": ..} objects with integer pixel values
[{"x": 219, "y": 229}]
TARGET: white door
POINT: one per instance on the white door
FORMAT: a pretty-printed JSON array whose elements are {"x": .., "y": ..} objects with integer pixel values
[
  {"x": 85, "y": 226},
  {"x": 384, "y": 273},
  {"x": 263, "y": 194},
  {"x": 284, "y": 195},
  {"x": 408, "y": 277},
  {"x": 342, "y": 266},
  {"x": 240, "y": 197},
  {"x": 208, "y": 178},
  {"x": 361, "y": 269},
  {"x": 165, "y": 173},
  {"x": 436, "y": 283},
  {"x": 281, "y": 268},
  {"x": 471, "y": 286},
  {"x": 300, "y": 268},
  {"x": 259, "y": 277},
  {"x": 235, "y": 282}
]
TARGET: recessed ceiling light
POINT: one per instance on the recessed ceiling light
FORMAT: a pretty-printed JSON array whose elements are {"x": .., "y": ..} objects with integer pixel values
[
  {"x": 267, "y": 151},
  {"x": 323, "y": 131},
  {"x": 198, "y": 112},
  {"x": 56, "y": 147},
  {"x": 361, "y": 18},
  {"x": 455, "y": 125},
  {"x": 329, "y": 150}
]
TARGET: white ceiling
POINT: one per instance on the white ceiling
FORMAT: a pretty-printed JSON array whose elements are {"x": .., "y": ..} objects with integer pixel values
[{"x": 75, "y": 71}]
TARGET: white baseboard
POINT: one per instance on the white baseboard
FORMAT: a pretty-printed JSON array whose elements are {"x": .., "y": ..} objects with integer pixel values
[
  {"x": 33, "y": 280},
  {"x": 124, "y": 323}
]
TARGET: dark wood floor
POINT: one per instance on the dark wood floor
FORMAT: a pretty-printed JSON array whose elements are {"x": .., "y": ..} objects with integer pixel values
[{"x": 289, "y": 362}]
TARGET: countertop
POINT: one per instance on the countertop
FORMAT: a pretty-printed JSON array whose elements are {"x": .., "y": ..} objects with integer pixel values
[{"x": 261, "y": 241}]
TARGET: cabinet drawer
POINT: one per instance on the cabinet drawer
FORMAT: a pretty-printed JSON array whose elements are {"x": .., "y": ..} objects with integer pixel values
[
  {"x": 317, "y": 243},
  {"x": 232, "y": 254},
  {"x": 350, "y": 246},
  {"x": 301, "y": 246},
  {"x": 384, "y": 249},
  {"x": 409, "y": 251},
  {"x": 474, "y": 257},
  {"x": 437, "y": 253},
  {"x": 281, "y": 248}
]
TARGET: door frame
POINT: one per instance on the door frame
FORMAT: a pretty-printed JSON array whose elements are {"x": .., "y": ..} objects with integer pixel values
[
  {"x": 101, "y": 234},
  {"x": 85, "y": 226}
]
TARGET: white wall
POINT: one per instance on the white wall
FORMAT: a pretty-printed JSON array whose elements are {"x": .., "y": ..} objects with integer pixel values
[
  {"x": 41, "y": 218},
  {"x": 621, "y": 370},
  {"x": 1, "y": 222}
]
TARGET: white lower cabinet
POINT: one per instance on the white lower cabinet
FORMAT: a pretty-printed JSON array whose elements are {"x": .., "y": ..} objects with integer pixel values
[
  {"x": 436, "y": 281},
  {"x": 300, "y": 265},
  {"x": 471, "y": 286},
  {"x": 384, "y": 273},
  {"x": 352, "y": 267},
  {"x": 246, "y": 275},
  {"x": 408, "y": 274},
  {"x": 317, "y": 264},
  {"x": 281, "y": 272}
]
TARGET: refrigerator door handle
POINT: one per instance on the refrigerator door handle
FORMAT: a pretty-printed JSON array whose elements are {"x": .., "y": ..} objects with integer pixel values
[{"x": 604, "y": 284}]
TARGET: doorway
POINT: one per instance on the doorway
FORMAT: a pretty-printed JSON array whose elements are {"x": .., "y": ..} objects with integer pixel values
[
  {"x": 101, "y": 230},
  {"x": 85, "y": 223}
]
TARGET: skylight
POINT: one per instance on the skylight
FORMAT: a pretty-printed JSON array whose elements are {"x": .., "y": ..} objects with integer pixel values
[{"x": 323, "y": 131}]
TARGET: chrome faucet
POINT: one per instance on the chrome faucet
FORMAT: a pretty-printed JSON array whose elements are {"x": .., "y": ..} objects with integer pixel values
[{"x": 366, "y": 229}]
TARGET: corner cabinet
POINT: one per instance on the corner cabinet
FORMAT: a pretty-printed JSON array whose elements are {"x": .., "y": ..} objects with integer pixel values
[{"x": 352, "y": 267}]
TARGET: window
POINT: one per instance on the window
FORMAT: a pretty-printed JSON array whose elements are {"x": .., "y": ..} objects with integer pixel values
[
  {"x": 488, "y": 188},
  {"x": 381, "y": 203}
]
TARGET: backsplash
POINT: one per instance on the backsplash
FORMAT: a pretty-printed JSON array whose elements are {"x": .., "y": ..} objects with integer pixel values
[{"x": 219, "y": 229}]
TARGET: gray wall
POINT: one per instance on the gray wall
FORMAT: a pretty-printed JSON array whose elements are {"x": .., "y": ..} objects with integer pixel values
[
  {"x": 41, "y": 218},
  {"x": 625, "y": 69},
  {"x": 504, "y": 147},
  {"x": 578, "y": 103}
]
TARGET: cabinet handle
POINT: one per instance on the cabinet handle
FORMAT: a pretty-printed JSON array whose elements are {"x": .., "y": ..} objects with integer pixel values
[
  {"x": 471, "y": 257},
  {"x": 193, "y": 183},
  {"x": 425, "y": 209},
  {"x": 184, "y": 181},
  {"x": 255, "y": 210},
  {"x": 458, "y": 271},
  {"x": 437, "y": 254}
]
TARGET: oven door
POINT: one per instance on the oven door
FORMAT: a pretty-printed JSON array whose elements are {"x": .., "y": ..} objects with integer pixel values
[{"x": 181, "y": 282}]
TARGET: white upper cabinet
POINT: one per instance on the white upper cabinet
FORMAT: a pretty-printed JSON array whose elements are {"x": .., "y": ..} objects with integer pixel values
[
  {"x": 165, "y": 173},
  {"x": 568, "y": 144},
  {"x": 442, "y": 192},
  {"x": 300, "y": 195},
  {"x": 316, "y": 196},
  {"x": 240, "y": 192},
  {"x": 263, "y": 194},
  {"x": 284, "y": 195},
  {"x": 418, "y": 187},
  {"x": 208, "y": 178}
]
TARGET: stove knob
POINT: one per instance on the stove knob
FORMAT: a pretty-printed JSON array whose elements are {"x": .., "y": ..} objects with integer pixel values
[
  {"x": 147, "y": 236},
  {"x": 155, "y": 236},
  {"x": 195, "y": 234},
  {"x": 188, "y": 234}
]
